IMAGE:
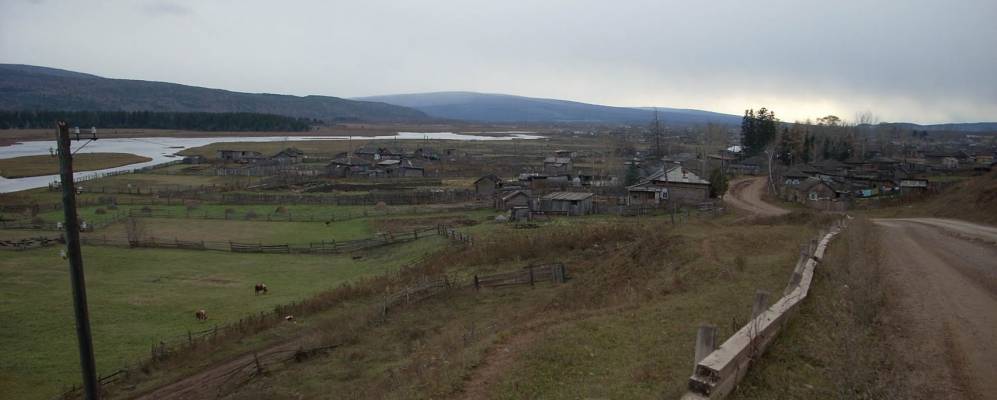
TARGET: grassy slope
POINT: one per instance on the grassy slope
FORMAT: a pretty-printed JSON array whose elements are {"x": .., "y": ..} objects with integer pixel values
[
  {"x": 20, "y": 167},
  {"x": 624, "y": 327},
  {"x": 973, "y": 199},
  {"x": 139, "y": 296}
]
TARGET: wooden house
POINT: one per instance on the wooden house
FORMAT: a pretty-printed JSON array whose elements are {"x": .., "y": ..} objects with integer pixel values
[
  {"x": 289, "y": 155},
  {"x": 673, "y": 184},
  {"x": 557, "y": 165},
  {"x": 239, "y": 155}
]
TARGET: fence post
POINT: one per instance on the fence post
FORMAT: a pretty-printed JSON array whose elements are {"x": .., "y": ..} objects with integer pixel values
[
  {"x": 761, "y": 303},
  {"x": 477, "y": 285},
  {"x": 531, "y": 275},
  {"x": 190, "y": 338},
  {"x": 706, "y": 342},
  {"x": 259, "y": 368}
]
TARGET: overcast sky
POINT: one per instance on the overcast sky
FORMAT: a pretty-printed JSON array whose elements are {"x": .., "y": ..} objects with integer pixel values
[{"x": 903, "y": 60}]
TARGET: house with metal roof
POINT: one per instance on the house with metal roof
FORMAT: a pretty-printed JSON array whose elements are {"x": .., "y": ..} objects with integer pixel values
[{"x": 675, "y": 184}]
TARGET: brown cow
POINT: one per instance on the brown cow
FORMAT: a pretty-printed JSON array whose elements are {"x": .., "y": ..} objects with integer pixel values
[
  {"x": 201, "y": 315},
  {"x": 261, "y": 287}
]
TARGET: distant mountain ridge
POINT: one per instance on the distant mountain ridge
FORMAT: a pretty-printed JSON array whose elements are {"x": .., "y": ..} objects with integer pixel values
[
  {"x": 968, "y": 127},
  {"x": 26, "y": 87},
  {"x": 488, "y": 107}
]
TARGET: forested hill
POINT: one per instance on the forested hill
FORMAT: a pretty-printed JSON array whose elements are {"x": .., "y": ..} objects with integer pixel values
[
  {"x": 25, "y": 87},
  {"x": 214, "y": 122}
]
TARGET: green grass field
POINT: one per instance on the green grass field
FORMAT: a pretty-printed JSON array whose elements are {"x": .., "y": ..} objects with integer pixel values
[{"x": 137, "y": 297}]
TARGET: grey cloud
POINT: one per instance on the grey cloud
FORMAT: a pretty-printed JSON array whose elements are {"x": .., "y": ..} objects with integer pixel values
[
  {"x": 913, "y": 60},
  {"x": 160, "y": 8}
]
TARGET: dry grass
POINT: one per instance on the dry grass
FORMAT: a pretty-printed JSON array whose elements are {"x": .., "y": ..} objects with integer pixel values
[
  {"x": 20, "y": 167},
  {"x": 636, "y": 291},
  {"x": 835, "y": 348}
]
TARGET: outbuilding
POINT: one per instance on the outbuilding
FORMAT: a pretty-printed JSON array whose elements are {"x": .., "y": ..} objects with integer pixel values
[{"x": 568, "y": 203}]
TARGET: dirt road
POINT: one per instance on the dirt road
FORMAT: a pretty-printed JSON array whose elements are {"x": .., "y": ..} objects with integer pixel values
[
  {"x": 944, "y": 311},
  {"x": 746, "y": 194}
]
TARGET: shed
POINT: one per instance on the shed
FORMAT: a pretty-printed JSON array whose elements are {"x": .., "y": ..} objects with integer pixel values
[
  {"x": 516, "y": 198},
  {"x": 569, "y": 203},
  {"x": 486, "y": 185}
]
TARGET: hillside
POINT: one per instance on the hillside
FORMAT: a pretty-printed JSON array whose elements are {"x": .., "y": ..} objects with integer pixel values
[
  {"x": 25, "y": 87},
  {"x": 487, "y": 107},
  {"x": 973, "y": 200}
]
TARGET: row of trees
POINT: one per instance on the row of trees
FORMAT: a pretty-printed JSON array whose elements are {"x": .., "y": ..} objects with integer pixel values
[
  {"x": 197, "y": 121},
  {"x": 758, "y": 129}
]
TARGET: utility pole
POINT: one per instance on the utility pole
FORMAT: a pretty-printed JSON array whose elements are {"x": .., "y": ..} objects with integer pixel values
[
  {"x": 657, "y": 134},
  {"x": 89, "y": 370}
]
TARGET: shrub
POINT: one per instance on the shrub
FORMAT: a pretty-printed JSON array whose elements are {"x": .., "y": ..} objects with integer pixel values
[
  {"x": 250, "y": 215},
  {"x": 100, "y": 211},
  {"x": 740, "y": 263}
]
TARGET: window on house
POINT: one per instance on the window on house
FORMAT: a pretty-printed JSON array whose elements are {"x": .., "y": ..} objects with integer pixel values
[{"x": 813, "y": 196}]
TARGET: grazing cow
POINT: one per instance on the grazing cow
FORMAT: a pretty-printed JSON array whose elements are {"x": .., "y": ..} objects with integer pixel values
[
  {"x": 261, "y": 287},
  {"x": 201, "y": 315}
]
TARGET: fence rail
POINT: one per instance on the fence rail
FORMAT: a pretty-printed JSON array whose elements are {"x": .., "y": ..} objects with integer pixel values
[
  {"x": 323, "y": 247},
  {"x": 718, "y": 369},
  {"x": 29, "y": 243}
]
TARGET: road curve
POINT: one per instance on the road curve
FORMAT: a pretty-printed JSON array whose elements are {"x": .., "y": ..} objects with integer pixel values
[
  {"x": 746, "y": 194},
  {"x": 944, "y": 277}
]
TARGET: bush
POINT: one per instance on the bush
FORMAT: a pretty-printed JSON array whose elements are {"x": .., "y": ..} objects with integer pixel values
[
  {"x": 100, "y": 211},
  {"x": 250, "y": 214},
  {"x": 112, "y": 206},
  {"x": 280, "y": 210},
  {"x": 146, "y": 209}
]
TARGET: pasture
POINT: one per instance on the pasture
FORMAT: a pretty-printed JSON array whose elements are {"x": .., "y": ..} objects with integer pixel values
[{"x": 139, "y": 296}]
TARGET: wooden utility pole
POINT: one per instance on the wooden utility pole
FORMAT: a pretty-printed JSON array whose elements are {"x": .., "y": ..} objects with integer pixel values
[
  {"x": 89, "y": 370},
  {"x": 657, "y": 135}
]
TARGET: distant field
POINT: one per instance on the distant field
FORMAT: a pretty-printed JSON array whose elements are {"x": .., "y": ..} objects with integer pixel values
[
  {"x": 137, "y": 297},
  {"x": 20, "y": 167}
]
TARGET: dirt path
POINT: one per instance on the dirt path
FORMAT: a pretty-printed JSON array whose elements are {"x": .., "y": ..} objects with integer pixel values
[
  {"x": 944, "y": 313},
  {"x": 746, "y": 194}
]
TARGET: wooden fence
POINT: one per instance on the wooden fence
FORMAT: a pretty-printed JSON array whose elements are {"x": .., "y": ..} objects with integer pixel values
[
  {"x": 718, "y": 369},
  {"x": 453, "y": 234},
  {"x": 29, "y": 243},
  {"x": 323, "y": 247},
  {"x": 529, "y": 275}
]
